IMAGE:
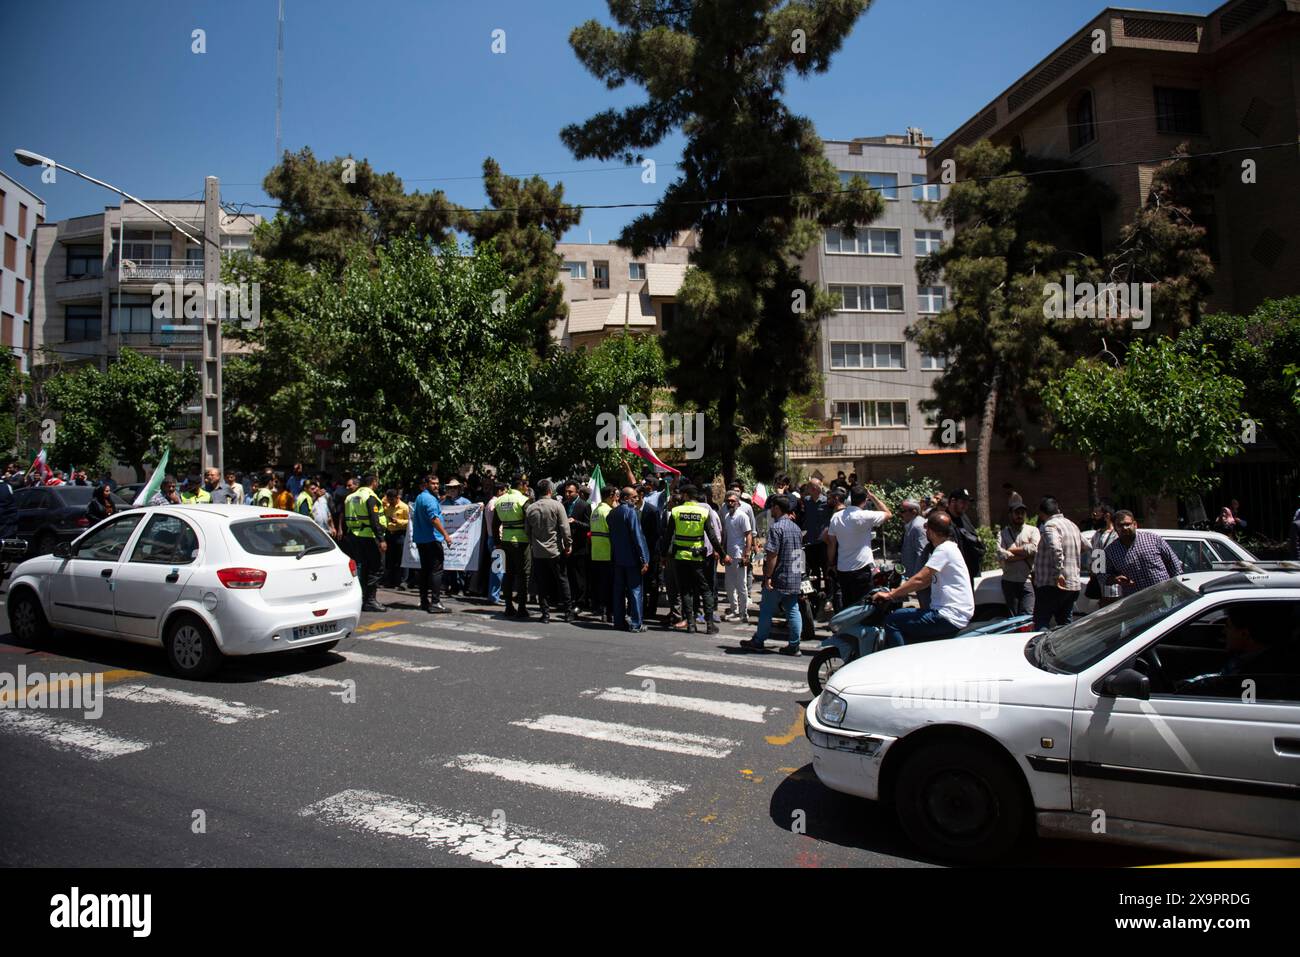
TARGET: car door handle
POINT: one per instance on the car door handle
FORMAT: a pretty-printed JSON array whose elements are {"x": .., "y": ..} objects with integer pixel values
[
  {"x": 106, "y": 572},
  {"x": 173, "y": 578},
  {"x": 1287, "y": 747}
]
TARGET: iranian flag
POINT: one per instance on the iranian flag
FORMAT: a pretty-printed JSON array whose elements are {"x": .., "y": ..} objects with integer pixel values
[
  {"x": 759, "y": 498},
  {"x": 41, "y": 464},
  {"x": 155, "y": 481},
  {"x": 597, "y": 481},
  {"x": 634, "y": 442}
]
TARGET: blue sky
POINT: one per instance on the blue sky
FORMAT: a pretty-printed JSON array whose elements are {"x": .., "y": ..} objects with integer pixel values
[{"x": 413, "y": 85}]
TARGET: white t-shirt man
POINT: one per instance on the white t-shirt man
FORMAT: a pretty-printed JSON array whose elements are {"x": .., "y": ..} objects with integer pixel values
[
  {"x": 950, "y": 593},
  {"x": 853, "y": 527},
  {"x": 735, "y": 526}
]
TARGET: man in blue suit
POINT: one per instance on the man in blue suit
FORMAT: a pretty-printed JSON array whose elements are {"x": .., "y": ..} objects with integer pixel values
[
  {"x": 649, "y": 515},
  {"x": 631, "y": 560}
]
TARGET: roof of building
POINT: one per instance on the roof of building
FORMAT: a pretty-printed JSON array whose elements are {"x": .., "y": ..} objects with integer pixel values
[
  {"x": 595, "y": 315},
  {"x": 664, "y": 279}
]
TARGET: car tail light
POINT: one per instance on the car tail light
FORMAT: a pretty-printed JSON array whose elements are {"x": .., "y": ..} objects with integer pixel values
[
  {"x": 320, "y": 612},
  {"x": 82, "y": 522},
  {"x": 1027, "y": 626},
  {"x": 352, "y": 567},
  {"x": 241, "y": 577}
]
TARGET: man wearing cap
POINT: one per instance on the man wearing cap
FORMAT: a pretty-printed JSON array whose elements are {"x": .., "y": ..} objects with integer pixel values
[
  {"x": 965, "y": 533},
  {"x": 1017, "y": 546}
]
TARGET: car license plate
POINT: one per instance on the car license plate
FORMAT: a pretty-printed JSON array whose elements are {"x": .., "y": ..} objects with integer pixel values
[{"x": 311, "y": 631}]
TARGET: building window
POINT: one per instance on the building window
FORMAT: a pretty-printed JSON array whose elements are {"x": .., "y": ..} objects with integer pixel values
[
  {"x": 931, "y": 363},
  {"x": 3, "y": 196},
  {"x": 1082, "y": 121},
  {"x": 930, "y": 299},
  {"x": 577, "y": 270},
  {"x": 923, "y": 192},
  {"x": 872, "y": 414},
  {"x": 866, "y": 355},
  {"x": 1178, "y": 111},
  {"x": 869, "y": 298},
  {"x": 6, "y": 330},
  {"x": 22, "y": 221},
  {"x": 866, "y": 242},
  {"x": 85, "y": 262},
  {"x": 147, "y": 245},
  {"x": 194, "y": 256},
  {"x": 11, "y": 253},
  {"x": 136, "y": 315},
  {"x": 636, "y": 270},
  {"x": 19, "y": 296},
  {"x": 600, "y": 275},
  {"x": 884, "y": 183},
  {"x": 667, "y": 315},
  {"x": 82, "y": 323},
  {"x": 236, "y": 242},
  {"x": 928, "y": 241}
]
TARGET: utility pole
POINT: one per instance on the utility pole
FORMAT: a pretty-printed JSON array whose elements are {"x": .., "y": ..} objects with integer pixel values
[{"x": 210, "y": 381}]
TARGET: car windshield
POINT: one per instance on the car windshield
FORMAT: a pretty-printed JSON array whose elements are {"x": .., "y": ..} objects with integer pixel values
[
  {"x": 1085, "y": 642},
  {"x": 281, "y": 536}
]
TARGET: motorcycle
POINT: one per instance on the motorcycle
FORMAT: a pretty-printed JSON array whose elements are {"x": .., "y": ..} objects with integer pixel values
[{"x": 855, "y": 631}]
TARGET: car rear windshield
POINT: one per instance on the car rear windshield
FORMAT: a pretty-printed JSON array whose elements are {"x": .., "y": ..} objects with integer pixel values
[{"x": 281, "y": 536}]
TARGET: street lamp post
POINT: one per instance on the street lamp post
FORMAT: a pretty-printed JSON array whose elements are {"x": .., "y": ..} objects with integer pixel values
[{"x": 210, "y": 402}]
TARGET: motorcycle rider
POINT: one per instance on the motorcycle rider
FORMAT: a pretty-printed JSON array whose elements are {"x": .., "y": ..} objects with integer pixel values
[{"x": 952, "y": 600}]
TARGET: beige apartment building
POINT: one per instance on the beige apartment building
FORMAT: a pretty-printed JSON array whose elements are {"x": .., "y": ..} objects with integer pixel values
[
  {"x": 609, "y": 290},
  {"x": 21, "y": 212},
  {"x": 95, "y": 277}
]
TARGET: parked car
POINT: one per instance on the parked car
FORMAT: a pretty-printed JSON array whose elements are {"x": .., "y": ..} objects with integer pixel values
[
  {"x": 1197, "y": 550},
  {"x": 48, "y": 515},
  {"x": 1143, "y": 723},
  {"x": 202, "y": 582}
]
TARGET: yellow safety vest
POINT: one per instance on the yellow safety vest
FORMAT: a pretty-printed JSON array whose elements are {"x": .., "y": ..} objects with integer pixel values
[
  {"x": 200, "y": 497},
  {"x": 510, "y": 513},
  {"x": 689, "y": 519},
  {"x": 303, "y": 505},
  {"x": 356, "y": 514},
  {"x": 263, "y": 498},
  {"x": 600, "y": 551}
]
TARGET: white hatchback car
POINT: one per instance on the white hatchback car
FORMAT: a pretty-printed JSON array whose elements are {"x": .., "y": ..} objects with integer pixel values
[
  {"x": 203, "y": 581},
  {"x": 1170, "y": 718}
]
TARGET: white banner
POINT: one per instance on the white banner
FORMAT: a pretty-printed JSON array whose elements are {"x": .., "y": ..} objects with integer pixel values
[{"x": 464, "y": 523}]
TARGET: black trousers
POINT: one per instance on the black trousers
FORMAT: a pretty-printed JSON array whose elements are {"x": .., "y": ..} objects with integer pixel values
[
  {"x": 601, "y": 582},
  {"x": 552, "y": 579},
  {"x": 431, "y": 557},
  {"x": 575, "y": 569},
  {"x": 855, "y": 584},
  {"x": 365, "y": 551},
  {"x": 815, "y": 556},
  {"x": 393, "y": 571},
  {"x": 694, "y": 587},
  {"x": 650, "y": 591},
  {"x": 514, "y": 587}
]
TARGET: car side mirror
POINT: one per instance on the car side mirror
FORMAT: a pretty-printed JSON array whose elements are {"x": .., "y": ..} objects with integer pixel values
[
  {"x": 1127, "y": 683},
  {"x": 63, "y": 550}
]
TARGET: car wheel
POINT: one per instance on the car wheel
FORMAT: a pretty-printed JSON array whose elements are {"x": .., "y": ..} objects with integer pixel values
[
  {"x": 190, "y": 648},
  {"x": 27, "y": 619},
  {"x": 824, "y": 664},
  {"x": 961, "y": 801},
  {"x": 321, "y": 649}
]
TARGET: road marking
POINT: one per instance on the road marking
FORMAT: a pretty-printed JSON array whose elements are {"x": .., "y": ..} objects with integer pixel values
[
  {"x": 434, "y": 644},
  {"x": 75, "y": 680},
  {"x": 473, "y": 628},
  {"x": 486, "y": 841},
  {"x": 222, "y": 712},
  {"x": 83, "y": 739},
  {"x": 383, "y": 661},
  {"x": 377, "y": 626},
  {"x": 721, "y": 709},
  {"x": 305, "y": 681},
  {"x": 717, "y": 678},
  {"x": 659, "y": 739},
  {"x": 794, "y": 732},
  {"x": 569, "y": 780},
  {"x": 762, "y": 661}
]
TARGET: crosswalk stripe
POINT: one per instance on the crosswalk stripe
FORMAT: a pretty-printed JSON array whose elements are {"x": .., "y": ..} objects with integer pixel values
[
  {"x": 383, "y": 661},
  {"x": 721, "y": 709},
  {"x": 678, "y": 742},
  {"x": 83, "y": 739},
  {"x": 473, "y": 628},
  {"x": 570, "y": 780},
  {"x": 215, "y": 709},
  {"x": 486, "y": 841},
  {"x": 304, "y": 681},
  {"x": 762, "y": 661},
  {"x": 718, "y": 678},
  {"x": 434, "y": 644}
]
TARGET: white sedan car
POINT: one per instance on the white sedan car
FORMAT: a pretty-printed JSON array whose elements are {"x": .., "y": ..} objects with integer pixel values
[
  {"x": 203, "y": 581},
  {"x": 1170, "y": 719}
]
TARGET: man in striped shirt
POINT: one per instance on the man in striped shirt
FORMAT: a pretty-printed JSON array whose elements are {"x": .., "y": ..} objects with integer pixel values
[{"x": 1138, "y": 559}]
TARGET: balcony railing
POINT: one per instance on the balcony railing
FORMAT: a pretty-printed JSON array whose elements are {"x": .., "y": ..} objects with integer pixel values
[{"x": 160, "y": 270}]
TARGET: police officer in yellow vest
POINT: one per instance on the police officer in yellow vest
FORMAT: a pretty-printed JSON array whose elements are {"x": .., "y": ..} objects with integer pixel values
[
  {"x": 193, "y": 493},
  {"x": 602, "y": 565},
  {"x": 363, "y": 516},
  {"x": 303, "y": 503},
  {"x": 508, "y": 529},
  {"x": 262, "y": 495},
  {"x": 689, "y": 524}
]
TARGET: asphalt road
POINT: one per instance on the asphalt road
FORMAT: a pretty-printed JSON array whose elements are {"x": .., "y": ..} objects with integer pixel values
[{"x": 441, "y": 740}]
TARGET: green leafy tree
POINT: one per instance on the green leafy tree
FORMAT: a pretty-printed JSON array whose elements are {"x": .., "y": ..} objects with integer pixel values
[
  {"x": 1013, "y": 238},
  {"x": 527, "y": 219},
  {"x": 753, "y": 181},
  {"x": 328, "y": 206},
  {"x": 1259, "y": 350},
  {"x": 130, "y": 408},
  {"x": 1158, "y": 423}
]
